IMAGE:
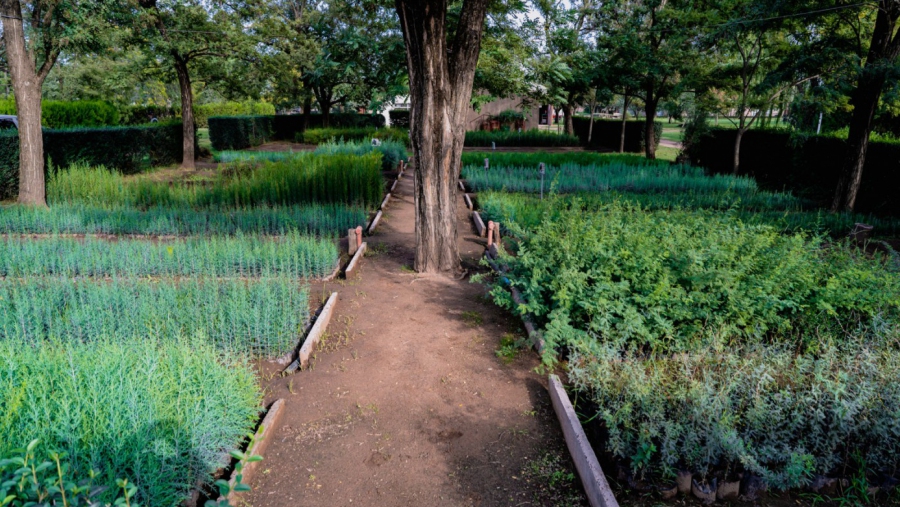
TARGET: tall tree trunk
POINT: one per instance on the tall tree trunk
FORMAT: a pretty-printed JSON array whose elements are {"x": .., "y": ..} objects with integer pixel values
[
  {"x": 737, "y": 149},
  {"x": 650, "y": 127},
  {"x": 27, "y": 90},
  {"x": 882, "y": 52},
  {"x": 591, "y": 124},
  {"x": 624, "y": 119},
  {"x": 307, "y": 110},
  {"x": 187, "y": 113},
  {"x": 441, "y": 74},
  {"x": 569, "y": 110}
]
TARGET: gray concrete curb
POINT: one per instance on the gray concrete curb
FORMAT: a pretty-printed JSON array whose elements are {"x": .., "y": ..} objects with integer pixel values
[
  {"x": 273, "y": 416},
  {"x": 468, "y": 201},
  {"x": 354, "y": 262},
  {"x": 479, "y": 224},
  {"x": 374, "y": 223},
  {"x": 592, "y": 478},
  {"x": 385, "y": 201},
  {"x": 461, "y": 186}
]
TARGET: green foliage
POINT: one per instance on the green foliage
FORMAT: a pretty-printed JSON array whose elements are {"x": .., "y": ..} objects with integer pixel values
[
  {"x": 291, "y": 255},
  {"x": 532, "y": 160},
  {"x": 31, "y": 475},
  {"x": 399, "y": 118},
  {"x": 259, "y": 318},
  {"x": 140, "y": 115},
  {"x": 239, "y": 132},
  {"x": 326, "y": 220},
  {"x": 509, "y": 116},
  {"x": 162, "y": 413},
  {"x": 203, "y": 112},
  {"x": 532, "y": 137},
  {"x": 126, "y": 149},
  {"x": 607, "y": 134},
  {"x": 676, "y": 281},
  {"x": 57, "y": 114},
  {"x": 304, "y": 178},
  {"x": 392, "y": 152},
  {"x": 324, "y": 135},
  {"x": 770, "y": 411}
]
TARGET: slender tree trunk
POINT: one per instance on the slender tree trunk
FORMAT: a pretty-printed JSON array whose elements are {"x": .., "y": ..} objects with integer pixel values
[
  {"x": 882, "y": 52},
  {"x": 650, "y": 128},
  {"x": 441, "y": 73},
  {"x": 624, "y": 121},
  {"x": 591, "y": 124},
  {"x": 187, "y": 112},
  {"x": 737, "y": 149},
  {"x": 569, "y": 110},
  {"x": 307, "y": 110},
  {"x": 27, "y": 90}
]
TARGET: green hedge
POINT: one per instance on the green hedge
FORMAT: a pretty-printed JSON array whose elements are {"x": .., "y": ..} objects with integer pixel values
[
  {"x": 239, "y": 132},
  {"x": 807, "y": 166},
  {"x": 203, "y": 112},
  {"x": 324, "y": 135},
  {"x": 399, "y": 118},
  {"x": 140, "y": 115},
  {"x": 533, "y": 137},
  {"x": 126, "y": 149},
  {"x": 608, "y": 133},
  {"x": 82, "y": 113}
]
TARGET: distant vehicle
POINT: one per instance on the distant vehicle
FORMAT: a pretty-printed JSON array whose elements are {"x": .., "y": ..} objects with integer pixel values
[{"x": 8, "y": 121}]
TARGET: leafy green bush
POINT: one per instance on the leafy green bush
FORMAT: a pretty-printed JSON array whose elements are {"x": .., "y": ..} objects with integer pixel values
[
  {"x": 666, "y": 282},
  {"x": 324, "y": 135},
  {"x": 202, "y": 112},
  {"x": 607, "y": 134},
  {"x": 291, "y": 255},
  {"x": 399, "y": 118},
  {"x": 57, "y": 114},
  {"x": 531, "y": 137},
  {"x": 770, "y": 412},
  {"x": 392, "y": 152},
  {"x": 143, "y": 114},
  {"x": 259, "y": 318},
  {"x": 239, "y": 132},
  {"x": 126, "y": 149},
  {"x": 532, "y": 160},
  {"x": 325, "y": 220},
  {"x": 163, "y": 414}
]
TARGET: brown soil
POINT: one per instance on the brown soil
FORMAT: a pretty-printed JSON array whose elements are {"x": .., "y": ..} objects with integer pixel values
[{"x": 406, "y": 401}]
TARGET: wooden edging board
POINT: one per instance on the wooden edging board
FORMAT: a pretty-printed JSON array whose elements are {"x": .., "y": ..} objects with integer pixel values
[
  {"x": 374, "y": 223},
  {"x": 354, "y": 262},
  {"x": 273, "y": 416},
  {"x": 315, "y": 334},
  {"x": 395, "y": 184},
  {"x": 385, "y": 201},
  {"x": 592, "y": 478},
  {"x": 468, "y": 201},
  {"x": 479, "y": 224},
  {"x": 461, "y": 186}
]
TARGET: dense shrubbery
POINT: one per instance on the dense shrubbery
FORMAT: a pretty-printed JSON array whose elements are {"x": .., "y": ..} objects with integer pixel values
[
  {"x": 399, "y": 118},
  {"x": 607, "y": 134},
  {"x": 808, "y": 166},
  {"x": 532, "y": 137},
  {"x": 324, "y": 135},
  {"x": 325, "y": 220},
  {"x": 140, "y": 115},
  {"x": 161, "y": 414},
  {"x": 532, "y": 160},
  {"x": 57, "y": 114},
  {"x": 203, "y": 112},
  {"x": 292, "y": 255},
  {"x": 240, "y": 132},
  {"x": 392, "y": 152},
  {"x": 126, "y": 149}
]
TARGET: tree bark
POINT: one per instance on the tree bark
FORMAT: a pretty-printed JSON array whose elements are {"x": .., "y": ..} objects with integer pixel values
[
  {"x": 307, "y": 110},
  {"x": 591, "y": 124},
  {"x": 650, "y": 127},
  {"x": 737, "y": 150},
  {"x": 441, "y": 73},
  {"x": 568, "y": 110},
  {"x": 187, "y": 112},
  {"x": 624, "y": 119},
  {"x": 882, "y": 52},
  {"x": 27, "y": 83}
]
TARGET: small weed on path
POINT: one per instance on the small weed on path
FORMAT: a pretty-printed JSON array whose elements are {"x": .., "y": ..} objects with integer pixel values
[
  {"x": 555, "y": 482},
  {"x": 509, "y": 347},
  {"x": 472, "y": 318}
]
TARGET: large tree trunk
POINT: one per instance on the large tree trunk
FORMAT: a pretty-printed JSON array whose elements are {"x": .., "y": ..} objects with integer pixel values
[
  {"x": 650, "y": 127},
  {"x": 187, "y": 113},
  {"x": 27, "y": 90},
  {"x": 569, "y": 110},
  {"x": 882, "y": 52},
  {"x": 441, "y": 74},
  {"x": 624, "y": 119}
]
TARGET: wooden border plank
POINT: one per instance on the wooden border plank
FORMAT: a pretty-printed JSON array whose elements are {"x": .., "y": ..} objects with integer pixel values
[
  {"x": 461, "y": 186},
  {"x": 592, "y": 478},
  {"x": 385, "y": 201},
  {"x": 468, "y": 201},
  {"x": 315, "y": 334},
  {"x": 394, "y": 186},
  {"x": 374, "y": 223},
  {"x": 263, "y": 437},
  {"x": 479, "y": 224},
  {"x": 353, "y": 266}
]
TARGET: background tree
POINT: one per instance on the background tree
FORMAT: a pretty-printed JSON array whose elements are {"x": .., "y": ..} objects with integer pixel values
[
  {"x": 441, "y": 62},
  {"x": 35, "y": 33}
]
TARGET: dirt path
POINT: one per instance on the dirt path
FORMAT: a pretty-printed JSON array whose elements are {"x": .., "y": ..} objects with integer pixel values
[{"x": 407, "y": 402}]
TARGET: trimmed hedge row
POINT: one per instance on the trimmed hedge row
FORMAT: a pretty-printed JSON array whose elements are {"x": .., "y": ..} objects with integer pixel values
[
  {"x": 241, "y": 132},
  {"x": 81, "y": 113},
  {"x": 126, "y": 149},
  {"x": 399, "y": 118},
  {"x": 608, "y": 133},
  {"x": 807, "y": 166}
]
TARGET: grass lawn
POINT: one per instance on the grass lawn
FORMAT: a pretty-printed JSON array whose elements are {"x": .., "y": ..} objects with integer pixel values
[{"x": 203, "y": 139}]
